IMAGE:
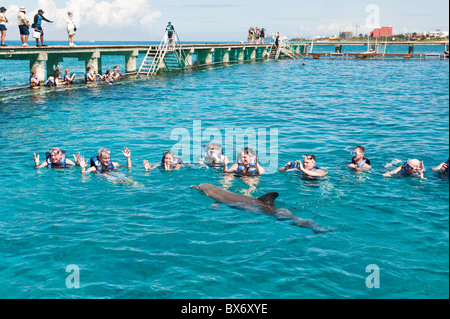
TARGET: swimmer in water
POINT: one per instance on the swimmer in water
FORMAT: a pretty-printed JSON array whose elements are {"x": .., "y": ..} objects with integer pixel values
[
  {"x": 102, "y": 162},
  {"x": 247, "y": 164},
  {"x": 359, "y": 162},
  {"x": 412, "y": 167},
  {"x": 213, "y": 155},
  {"x": 168, "y": 162},
  {"x": 308, "y": 168},
  {"x": 56, "y": 158}
]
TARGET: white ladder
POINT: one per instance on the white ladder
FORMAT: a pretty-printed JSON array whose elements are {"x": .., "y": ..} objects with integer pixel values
[{"x": 152, "y": 61}]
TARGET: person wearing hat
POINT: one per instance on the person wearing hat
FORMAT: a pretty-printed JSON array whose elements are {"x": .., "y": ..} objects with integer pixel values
[
  {"x": 37, "y": 25},
  {"x": 23, "y": 26},
  {"x": 3, "y": 22}
]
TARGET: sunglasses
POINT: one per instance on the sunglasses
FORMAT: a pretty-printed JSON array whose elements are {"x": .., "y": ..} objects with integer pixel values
[
  {"x": 309, "y": 157},
  {"x": 54, "y": 152},
  {"x": 354, "y": 153},
  {"x": 409, "y": 167}
]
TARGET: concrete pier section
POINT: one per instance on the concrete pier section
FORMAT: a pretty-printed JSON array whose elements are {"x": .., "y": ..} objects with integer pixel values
[{"x": 43, "y": 59}]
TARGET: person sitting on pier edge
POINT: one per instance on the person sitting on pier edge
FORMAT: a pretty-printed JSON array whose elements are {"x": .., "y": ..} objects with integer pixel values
[
  {"x": 23, "y": 26},
  {"x": 412, "y": 167},
  {"x": 247, "y": 164},
  {"x": 34, "y": 82},
  {"x": 359, "y": 162},
  {"x": 90, "y": 76},
  {"x": 308, "y": 168},
  {"x": 68, "y": 79},
  {"x": 170, "y": 29},
  {"x": 102, "y": 162},
  {"x": 168, "y": 162},
  {"x": 116, "y": 74},
  {"x": 56, "y": 158},
  {"x": 3, "y": 22},
  {"x": 443, "y": 168},
  {"x": 37, "y": 25}
]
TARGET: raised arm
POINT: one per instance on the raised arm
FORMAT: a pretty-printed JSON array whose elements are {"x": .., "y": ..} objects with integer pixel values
[
  {"x": 127, "y": 153},
  {"x": 36, "y": 161}
]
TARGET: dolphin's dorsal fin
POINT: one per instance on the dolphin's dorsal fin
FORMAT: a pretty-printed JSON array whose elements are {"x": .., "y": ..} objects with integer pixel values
[{"x": 268, "y": 198}]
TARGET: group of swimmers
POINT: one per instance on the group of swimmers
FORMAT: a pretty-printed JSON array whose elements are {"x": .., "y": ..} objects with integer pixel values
[
  {"x": 246, "y": 165},
  {"x": 256, "y": 35},
  {"x": 91, "y": 77}
]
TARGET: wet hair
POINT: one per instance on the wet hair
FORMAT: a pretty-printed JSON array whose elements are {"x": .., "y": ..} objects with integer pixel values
[
  {"x": 88, "y": 68},
  {"x": 360, "y": 148},
  {"x": 67, "y": 70},
  {"x": 103, "y": 151},
  {"x": 309, "y": 156},
  {"x": 248, "y": 151}
]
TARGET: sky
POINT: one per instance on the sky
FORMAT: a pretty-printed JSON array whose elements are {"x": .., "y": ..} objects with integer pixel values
[{"x": 207, "y": 21}]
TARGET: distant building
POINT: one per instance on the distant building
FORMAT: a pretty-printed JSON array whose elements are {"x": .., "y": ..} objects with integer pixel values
[
  {"x": 381, "y": 32},
  {"x": 346, "y": 35},
  {"x": 438, "y": 33}
]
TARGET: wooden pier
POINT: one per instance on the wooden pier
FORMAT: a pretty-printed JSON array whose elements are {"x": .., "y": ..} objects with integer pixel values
[{"x": 43, "y": 59}]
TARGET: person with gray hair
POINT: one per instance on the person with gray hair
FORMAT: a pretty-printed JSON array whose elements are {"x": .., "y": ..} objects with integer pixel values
[
  {"x": 412, "y": 167},
  {"x": 102, "y": 162}
]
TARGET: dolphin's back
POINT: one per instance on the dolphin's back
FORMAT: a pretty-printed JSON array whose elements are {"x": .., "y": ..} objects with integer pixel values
[{"x": 264, "y": 202}]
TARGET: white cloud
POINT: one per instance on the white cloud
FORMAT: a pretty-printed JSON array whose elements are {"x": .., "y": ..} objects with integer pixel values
[{"x": 116, "y": 13}]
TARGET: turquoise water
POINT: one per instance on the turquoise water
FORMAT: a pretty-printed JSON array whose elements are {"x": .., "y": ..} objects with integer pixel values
[{"x": 145, "y": 234}]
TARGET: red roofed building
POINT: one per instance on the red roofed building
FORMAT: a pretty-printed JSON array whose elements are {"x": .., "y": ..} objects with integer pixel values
[{"x": 381, "y": 32}]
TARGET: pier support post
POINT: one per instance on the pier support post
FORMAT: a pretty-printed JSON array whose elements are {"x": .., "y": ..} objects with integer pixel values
[
  {"x": 130, "y": 61},
  {"x": 252, "y": 53},
  {"x": 411, "y": 49},
  {"x": 188, "y": 60},
  {"x": 205, "y": 56},
  {"x": 226, "y": 55},
  {"x": 92, "y": 60},
  {"x": 265, "y": 54},
  {"x": 241, "y": 54},
  {"x": 38, "y": 64}
]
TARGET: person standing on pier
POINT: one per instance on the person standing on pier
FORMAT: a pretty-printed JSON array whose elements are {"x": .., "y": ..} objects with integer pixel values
[
  {"x": 37, "y": 25},
  {"x": 23, "y": 26},
  {"x": 71, "y": 28},
  {"x": 3, "y": 22},
  {"x": 170, "y": 30}
]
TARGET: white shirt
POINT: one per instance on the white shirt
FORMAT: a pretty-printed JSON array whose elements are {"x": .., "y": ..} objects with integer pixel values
[
  {"x": 21, "y": 16},
  {"x": 2, "y": 16},
  {"x": 70, "y": 24}
]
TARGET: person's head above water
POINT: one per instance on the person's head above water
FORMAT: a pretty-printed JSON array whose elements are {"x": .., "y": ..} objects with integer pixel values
[
  {"x": 246, "y": 156},
  {"x": 55, "y": 155},
  {"x": 412, "y": 166},
  {"x": 168, "y": 158},
  {"x": 309, "y": 161},
  {"x": 357, "y": 153},
  {"x": 104, "y": 156}
]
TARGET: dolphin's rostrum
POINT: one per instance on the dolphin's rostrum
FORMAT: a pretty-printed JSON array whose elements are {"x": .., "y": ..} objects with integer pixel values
[{"x": 261, "y": 204}]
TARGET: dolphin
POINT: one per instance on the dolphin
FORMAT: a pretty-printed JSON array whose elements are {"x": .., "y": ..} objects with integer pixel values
[{"x": 262, "y": 204}]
